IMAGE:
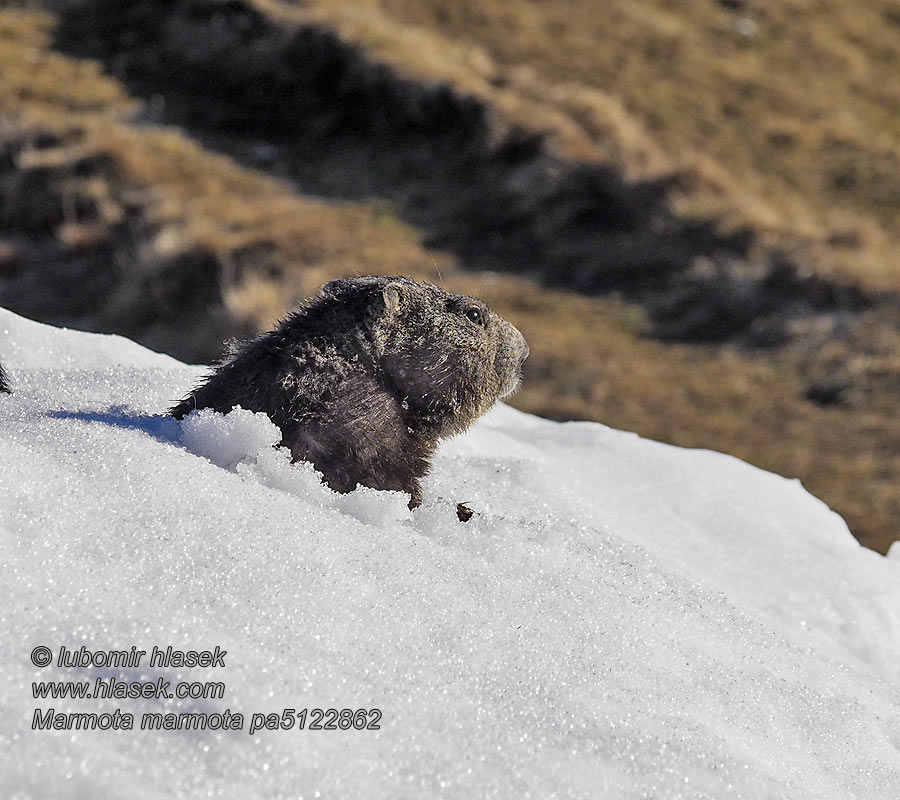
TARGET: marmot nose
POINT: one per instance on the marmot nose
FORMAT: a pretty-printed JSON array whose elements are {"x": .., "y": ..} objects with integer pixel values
[{"x": 524, "y": 349}]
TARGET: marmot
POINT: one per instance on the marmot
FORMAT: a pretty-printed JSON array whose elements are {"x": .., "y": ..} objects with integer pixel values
[
  {"x": 367, "y": 377},
  {"x": 4, "y": 384}
]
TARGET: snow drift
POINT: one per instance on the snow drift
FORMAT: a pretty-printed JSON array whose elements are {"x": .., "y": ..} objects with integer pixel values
[{"x": 621, "y": 618}]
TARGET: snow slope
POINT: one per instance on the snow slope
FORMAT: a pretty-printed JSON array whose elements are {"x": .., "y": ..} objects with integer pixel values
[{"x": 621, "y": 618}]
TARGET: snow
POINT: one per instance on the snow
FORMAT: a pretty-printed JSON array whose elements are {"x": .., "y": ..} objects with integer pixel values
[{"x": 621, "y": 618}]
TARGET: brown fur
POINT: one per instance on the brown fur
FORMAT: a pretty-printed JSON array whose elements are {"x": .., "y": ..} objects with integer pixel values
[{"x": 367, "y": 377}]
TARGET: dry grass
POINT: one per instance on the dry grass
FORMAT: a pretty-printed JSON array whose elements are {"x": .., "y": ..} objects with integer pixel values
[
  {"x": 196, "y": 198},
  {"x": 781, "y": 116}
]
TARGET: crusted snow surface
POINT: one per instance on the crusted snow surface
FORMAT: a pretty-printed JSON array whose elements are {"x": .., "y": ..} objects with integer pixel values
[{"x": 620, "y": 618}]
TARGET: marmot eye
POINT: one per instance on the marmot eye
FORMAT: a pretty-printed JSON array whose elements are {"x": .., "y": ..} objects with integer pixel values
[{"x": 474, "y": 315}]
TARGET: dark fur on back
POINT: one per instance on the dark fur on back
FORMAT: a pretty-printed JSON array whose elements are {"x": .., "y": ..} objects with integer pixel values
[
  {"x": 4, "y": 382},
  {"x": 368, "y": 376}
]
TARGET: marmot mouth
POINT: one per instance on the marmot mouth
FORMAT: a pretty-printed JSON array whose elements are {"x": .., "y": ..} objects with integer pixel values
[{"x": 510, "y": 389}]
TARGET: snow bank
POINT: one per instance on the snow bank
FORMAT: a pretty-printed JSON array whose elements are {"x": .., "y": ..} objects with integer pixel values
[{"x": 620, "y": 618}]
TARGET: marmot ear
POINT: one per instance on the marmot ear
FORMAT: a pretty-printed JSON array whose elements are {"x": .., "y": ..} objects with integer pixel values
[
  {"x": 387, "y": 304},
  {"x": 393, "y": 295}
]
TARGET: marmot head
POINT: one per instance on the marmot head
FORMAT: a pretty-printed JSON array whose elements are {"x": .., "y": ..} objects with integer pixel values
[{"x": 448, "y": 357}]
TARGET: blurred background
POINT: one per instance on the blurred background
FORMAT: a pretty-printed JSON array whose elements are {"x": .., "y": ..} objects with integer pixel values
[{"x": 689, "y": 207}]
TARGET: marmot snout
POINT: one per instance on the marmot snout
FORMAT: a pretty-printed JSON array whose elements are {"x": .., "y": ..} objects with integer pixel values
[{"x": 367, "y": 377}]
